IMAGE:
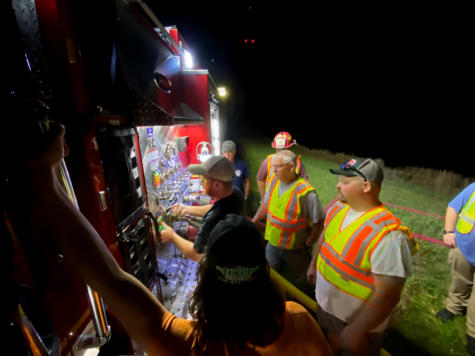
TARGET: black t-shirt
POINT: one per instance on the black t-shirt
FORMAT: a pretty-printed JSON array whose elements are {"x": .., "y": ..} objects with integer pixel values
[{"x": 233, "y": 204}]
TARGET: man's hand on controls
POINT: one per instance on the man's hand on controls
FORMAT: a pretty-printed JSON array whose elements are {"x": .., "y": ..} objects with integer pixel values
[
  {"x": 179, "y": 209},
  {"x": 166, "y": 233}
]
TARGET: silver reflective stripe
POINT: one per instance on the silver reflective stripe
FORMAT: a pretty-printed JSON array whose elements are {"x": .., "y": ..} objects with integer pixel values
[
  {"x": 334, "y": 254},
  {"x": 284, "y": 225},
  {"x": 293, "y": 204},
  {"x": 357, "y": 232},
  {"x": 466, "y": 218},
  {"x": 272, "y": 185},
  {"x": 345, "y": 275},
  {"x": 368, "y": 239},
  {"x": 294, "y": 201},
  {"x": 339, "y": 208},
  {"x": 285, "y": 238}
]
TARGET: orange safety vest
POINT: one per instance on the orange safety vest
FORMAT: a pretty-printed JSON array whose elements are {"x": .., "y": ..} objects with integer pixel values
[
  {"x": 271, "y": 173},
  {"x": 344, "y": 258},
  {"x": 284, "y": 220}
]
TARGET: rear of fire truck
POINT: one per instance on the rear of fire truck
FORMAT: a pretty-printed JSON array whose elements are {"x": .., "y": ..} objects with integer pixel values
[{"x": 137, "y": 112}]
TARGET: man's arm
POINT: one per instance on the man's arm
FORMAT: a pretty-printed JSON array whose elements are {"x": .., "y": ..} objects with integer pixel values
[
  {"x": 260, "y": 213},
  {"x": 261, "y": 186},
  {"x": 261, "y": 178},
  {"x": 315, "y": 231},
  {"x": 379, "y": 307},
  {"x": 85, "y": 252},
  {"x": 185, "y": 246},
  {"x": 450, "y": 221},
  {"x": 247, "y": 188},
  {"x": 312, "y": 269},
  {"x": 198, "y": 210}
]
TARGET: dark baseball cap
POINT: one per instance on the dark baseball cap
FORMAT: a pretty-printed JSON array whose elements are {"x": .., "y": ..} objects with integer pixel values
[
  {"x": 365, "y": 168},
  {"x": 236, "y": 250},
  {"x": 228, "y": 146},
  {"x": 216, "y": 167}
]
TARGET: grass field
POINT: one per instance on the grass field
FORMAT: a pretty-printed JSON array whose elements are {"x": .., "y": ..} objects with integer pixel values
[{"x": 414, "y": 328}]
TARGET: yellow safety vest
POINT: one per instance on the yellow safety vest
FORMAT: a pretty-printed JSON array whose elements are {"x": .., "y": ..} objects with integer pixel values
[
  {"x": 466, "y": 218},
  {"x": 271, "y": 173},
  {"x": 344, "y": 258},
  {"x": 284, "y": 220}
]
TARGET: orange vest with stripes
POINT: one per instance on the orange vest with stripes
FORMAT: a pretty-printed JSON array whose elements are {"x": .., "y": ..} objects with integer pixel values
[
  {"x": 344, "y": 258},
  {"x": 286, "y": 227}
]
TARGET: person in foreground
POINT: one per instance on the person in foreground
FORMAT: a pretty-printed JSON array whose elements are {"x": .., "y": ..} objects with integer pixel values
[
  {"x": 459, "y": 235},
  {"x": 361, "y": 262},
  {"x": 237, "y": 308}
]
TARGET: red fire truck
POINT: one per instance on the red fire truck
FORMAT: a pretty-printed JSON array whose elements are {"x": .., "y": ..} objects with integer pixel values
[{"x": 137, "y": 112}]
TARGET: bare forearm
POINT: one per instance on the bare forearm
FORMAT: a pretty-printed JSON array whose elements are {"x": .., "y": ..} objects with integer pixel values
[
  {"x": 260, "y": 213},
  {"x": 197, "y": 210},
  {"x": 247, "y": 188},
  {"x": 450, "y": 219},
  {"x": 86, "y": 253},
  {"x": 186, "y": 247}
]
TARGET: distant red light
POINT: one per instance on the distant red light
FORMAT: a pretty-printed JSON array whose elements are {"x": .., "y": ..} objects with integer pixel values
[
  {"x": 245, "y": 40},
  {"x": 253, "y": 40}
]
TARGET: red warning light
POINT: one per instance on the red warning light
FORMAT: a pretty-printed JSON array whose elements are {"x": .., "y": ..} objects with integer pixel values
[
  {"x": 245, "y": 40},
  {"x": 253, "y": 41}
]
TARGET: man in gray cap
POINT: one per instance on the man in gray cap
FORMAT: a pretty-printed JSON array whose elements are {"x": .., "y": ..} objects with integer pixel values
[
  {"x": 241, "y": 172},
  {"x": 362, "y": 260},
  {"x": 217, "y": 175}
]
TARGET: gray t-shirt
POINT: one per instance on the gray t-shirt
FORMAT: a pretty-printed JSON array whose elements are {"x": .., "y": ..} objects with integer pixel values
[{"x": 392, "y": 257}]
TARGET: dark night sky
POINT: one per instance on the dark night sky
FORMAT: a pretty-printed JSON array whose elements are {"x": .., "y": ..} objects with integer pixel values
[{"x": 393, "y": 83}]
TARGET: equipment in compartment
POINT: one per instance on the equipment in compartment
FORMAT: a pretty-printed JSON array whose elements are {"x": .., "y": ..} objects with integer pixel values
[{"x": 168, "y": 182}]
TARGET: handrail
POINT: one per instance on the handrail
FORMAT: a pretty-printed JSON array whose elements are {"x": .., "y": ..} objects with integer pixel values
[{"x": 96, "y": 305}]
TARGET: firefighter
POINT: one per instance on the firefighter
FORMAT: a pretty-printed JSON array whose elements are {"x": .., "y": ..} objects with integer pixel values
[
  {"x": 459, "y": 234},
  {"x": 364, "y": 258},
  {"x": 282, "y": 141},
  {"x": 241, "y": 172},
  {"x": 238, "y": 309},
  {"x": 217, "y": 175},
  {"x": 294, "y": 220}
]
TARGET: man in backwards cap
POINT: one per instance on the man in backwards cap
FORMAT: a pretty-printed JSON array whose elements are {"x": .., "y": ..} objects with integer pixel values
[
  {"x": 238, "y": 309},
  {"x": 362, "y": 260},
  {"x": 217, "y": 175}
]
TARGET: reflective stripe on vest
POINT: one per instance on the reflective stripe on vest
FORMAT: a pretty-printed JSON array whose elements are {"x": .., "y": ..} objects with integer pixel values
[
  {"x": 344, "y": 258},
  {"x": 271, "y": 174},
  {"x": 284, "y": 219},
  {"x": 466, "y": 219}
]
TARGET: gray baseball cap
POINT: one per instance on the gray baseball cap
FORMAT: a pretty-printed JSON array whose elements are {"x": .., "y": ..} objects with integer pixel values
[
  {"x": 366, "y": 168},
  {"x": 228, "y": 146},
  {"x": 216, "y": 167}
]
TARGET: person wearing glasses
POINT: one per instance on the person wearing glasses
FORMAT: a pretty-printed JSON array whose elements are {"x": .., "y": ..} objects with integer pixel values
[
  {"x": 238, "y": 309},
  {"x": 282, "y": 141},
  {"x": 459, "y": 235},
  {"x": 294, "y": 220},
  {"x": 217, "y": 176},
  {"x": 362, "y": 260}
]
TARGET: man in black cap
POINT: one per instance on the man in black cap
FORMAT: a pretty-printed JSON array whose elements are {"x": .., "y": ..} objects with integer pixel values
[
  {"x": 362, "y": 260},
  {"x": 217, "y": 175}
]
